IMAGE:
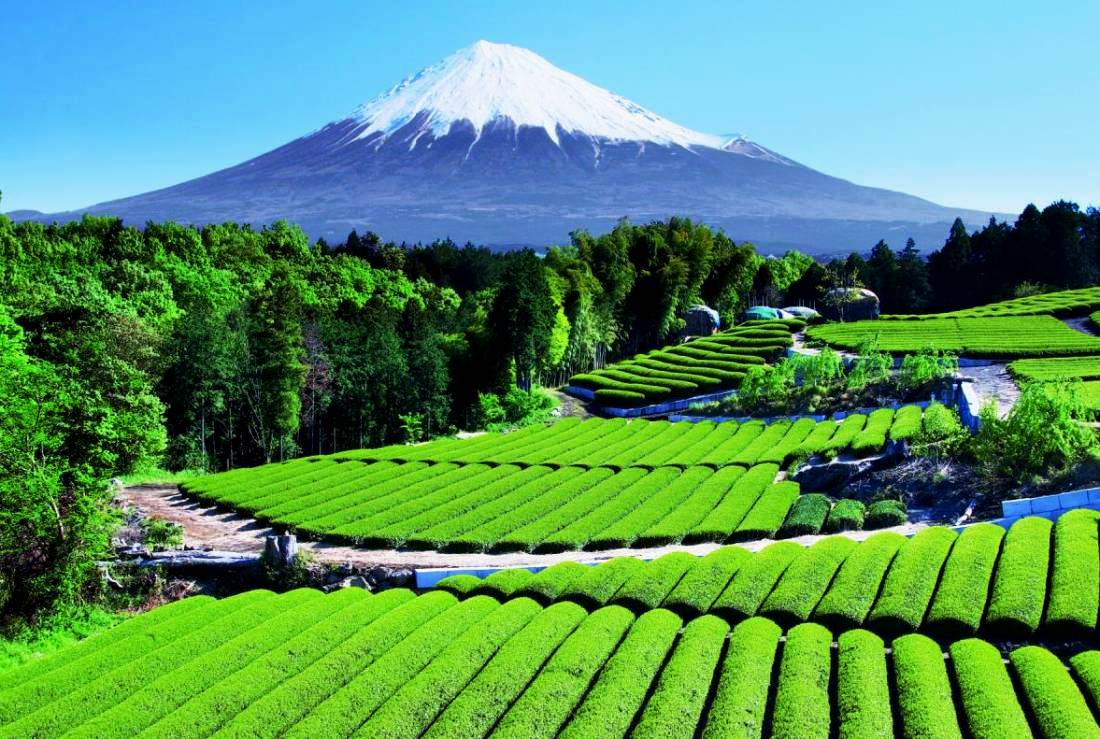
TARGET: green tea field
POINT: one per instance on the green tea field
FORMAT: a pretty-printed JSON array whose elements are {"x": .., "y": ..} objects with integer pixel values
[
  {"x": 394, "y": 664},
  {"x": 596, "y": 484},
  {"x": 704, "y": 365}
]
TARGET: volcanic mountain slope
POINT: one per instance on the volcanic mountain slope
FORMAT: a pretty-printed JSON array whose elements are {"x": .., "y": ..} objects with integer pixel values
[{"x": 496, "y": 145}]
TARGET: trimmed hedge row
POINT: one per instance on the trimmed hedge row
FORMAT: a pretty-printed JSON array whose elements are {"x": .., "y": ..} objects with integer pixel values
[
  {"x": 675, "y": 371},
  {"x": 923, "y": 689},
  {"x": 862, "y": 687},
  {"x": 570, "y": 485},
  {"x": 979, "y": 336},
  {"x": 396, "y": 665},
  {"x": 946, "y": 585}
]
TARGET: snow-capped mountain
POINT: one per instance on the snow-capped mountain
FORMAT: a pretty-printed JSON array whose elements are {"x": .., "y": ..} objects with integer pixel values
[
  {"x": 488, "y": 83},
  {"x": 496, "y": 145}
]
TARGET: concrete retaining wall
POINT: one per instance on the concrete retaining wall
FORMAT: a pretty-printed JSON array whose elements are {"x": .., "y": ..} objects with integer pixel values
[{"x": 968, "y": 404}]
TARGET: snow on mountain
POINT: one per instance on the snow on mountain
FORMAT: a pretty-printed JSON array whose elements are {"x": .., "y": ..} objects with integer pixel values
[
  {"x": 486, "y": 82},
  {"x": 495, "y": 145}
]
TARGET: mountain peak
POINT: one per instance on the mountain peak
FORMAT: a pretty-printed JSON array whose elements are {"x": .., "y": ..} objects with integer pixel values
[{"x": 487, "y": 82}]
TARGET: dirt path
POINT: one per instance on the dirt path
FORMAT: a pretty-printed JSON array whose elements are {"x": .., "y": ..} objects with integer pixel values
[
  {"x": 210, "y": 528},
  {"x": 993, "y": 382},
  {"x": 1083, "y": 324},
  {"x": 570, "y": 407}
]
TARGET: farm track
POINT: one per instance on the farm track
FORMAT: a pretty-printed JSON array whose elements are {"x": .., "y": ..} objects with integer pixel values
[
  {"x": 1083, "y": 324},
  {"x": 994, "y": 382},
  {"x": 207, "y": 527}
]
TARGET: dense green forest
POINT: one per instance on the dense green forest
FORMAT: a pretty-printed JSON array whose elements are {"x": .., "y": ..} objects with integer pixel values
[{"x": 226, "y": 346}]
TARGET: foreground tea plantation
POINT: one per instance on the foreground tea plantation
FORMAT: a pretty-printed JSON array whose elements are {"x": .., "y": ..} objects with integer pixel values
[
  {"x": 704, "y": 365},
  {"x": 1038, "y": 578},
  {"x": 595, "y": 484},
  {"x": 393, "y": 664}
]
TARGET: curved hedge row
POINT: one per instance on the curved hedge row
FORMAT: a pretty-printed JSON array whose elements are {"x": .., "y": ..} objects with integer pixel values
[
  {"x": 392, "y": 664},
  {"x": 703, "y": 365},
  {"x": 616, "y": 442},
  {"x": 596, "y": 484},
  {"x": 985, "y": 336},
  {"x": 948, "y": 586}
]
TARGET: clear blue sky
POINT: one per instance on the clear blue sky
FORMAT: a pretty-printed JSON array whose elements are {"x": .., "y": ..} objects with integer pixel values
[{"x": 975, "y": 103}]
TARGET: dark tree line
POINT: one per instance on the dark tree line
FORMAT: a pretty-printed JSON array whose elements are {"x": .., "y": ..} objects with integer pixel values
[{"x": 1052, "y": 249}]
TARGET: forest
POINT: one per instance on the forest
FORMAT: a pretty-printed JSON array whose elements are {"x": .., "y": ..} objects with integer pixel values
[{"x": 225, "y": 346}]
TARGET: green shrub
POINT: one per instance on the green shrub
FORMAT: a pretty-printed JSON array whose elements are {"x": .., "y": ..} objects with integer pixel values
[
  {"x": 862, "y": 687},
  {"x": 1042, "y": 433},
  {"x": 923, "y": 689},
  {"x": 1086, "y": 668},
  {"x": 852, "y": 593},
  {"x": 885, "y": 513},
  {"x": 910, "y": 582},
  {"x": 755, "y": 580},
  {"x": 84, "y": 695},
  {"x": 846, "y": 515},
  {"x": 682, "y": 519},
  {"x": 579, "y": 533},
  {"x": 625, "y": 531},
  {"x": 807, "y": 515},
  {"x": 477, "y": 706},
  {"x": 907, "y": 423},
  {"x": 872, "y": 438},
  {"x": 846, "y": 432},
  {"x": 705, "y": 581},
  {"x": 768, "y": 513},
  {"x": 805, "y": 581},
  {"x": 677, "y": 702},
  {"x": 942, "y": 435},
  {"x": 1054, "y": 703},
  {"x": 503, "y": 583},
  {"x": 741, "y": 697},
  {"x": 986, "y": 692},
  {"x": 818, "y": 439},
  {"x": 1020, "y": 580},
  {"x": 548, "y": 702},
  {"x": 802, "y": 705},
  {"x": 919, "y": 371},
  {"x": 597, "y": 586},
  {"x": 531, "y": 535},
  {"x": 209, "y": 690},
  {"x": 620, "y": 397},
  {"x": 414, "y": 632},
  {"x": 1074, "y": 575},
  {"x": 871, "y": 367},
  {"x": 418, "y": 701},
  {"x": 651, "y": 584},
  {"x": 728, "y": 515},
  {"x": 546, "y": 586},
  {"x": 461, "y": 585},
  {"x": 963, "y": 591},
  {"x": 622, "y": 685}
]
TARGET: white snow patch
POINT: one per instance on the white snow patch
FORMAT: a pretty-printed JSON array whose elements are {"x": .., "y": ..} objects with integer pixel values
[{"x": 486, "y": 82}]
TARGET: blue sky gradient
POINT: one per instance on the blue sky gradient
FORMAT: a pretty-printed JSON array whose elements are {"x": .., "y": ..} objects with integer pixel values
[{"x": 988, "y": 105}]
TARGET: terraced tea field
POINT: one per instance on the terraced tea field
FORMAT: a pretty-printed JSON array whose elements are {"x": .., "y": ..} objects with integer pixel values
[
  {"x": 704, "y": 365},
  {"x": 1038, "y": 577},
  {"x": 1061, "y": 303},
  {"x": 1061, "y": 368},
  {"x": 595, "y": 484},
  {"x": 991, "y": 337},
  {"x": 393, "y": 664}
]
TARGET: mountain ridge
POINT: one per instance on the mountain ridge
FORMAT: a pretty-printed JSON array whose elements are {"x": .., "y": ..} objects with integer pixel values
[{"x": 496, "y": 145}]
